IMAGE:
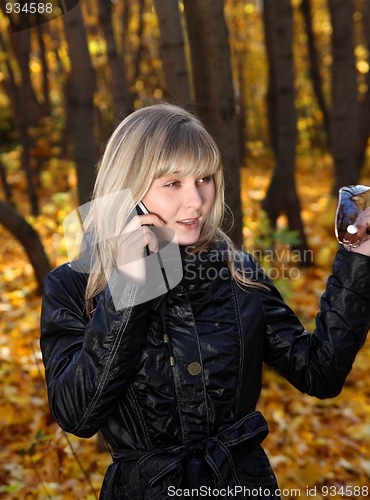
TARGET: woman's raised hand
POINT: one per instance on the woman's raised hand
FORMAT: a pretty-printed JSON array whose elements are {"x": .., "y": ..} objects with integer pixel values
[
  {"x": 364, "y": 219},
  {"x": 131, "y": 243}
]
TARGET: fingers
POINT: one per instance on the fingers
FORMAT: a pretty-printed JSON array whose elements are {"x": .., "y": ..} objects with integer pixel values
[
  {"x": 139, "y": 238},
  {"x": 362, "y": 222},
  {"x": 363, "y": 218},
  {"x": 151, "y": 219},
  {"x": 364, "y": 248},
  {"x": 130, "y": 260},
  {"x": 130, "y": 245},
  {"x": 366, "y": 215},
  {"x": 144, "y": 220},
  {"x": 150, "y": 239},
  {"x": 134, "y": 237}
]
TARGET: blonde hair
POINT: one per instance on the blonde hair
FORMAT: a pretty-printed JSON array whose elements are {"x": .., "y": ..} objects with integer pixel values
[{"x": 150, "y": 143}]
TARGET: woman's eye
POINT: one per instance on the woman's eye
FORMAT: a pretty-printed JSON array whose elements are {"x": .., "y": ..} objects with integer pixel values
[
  {"x": 205, "y": 179},
  {"x": 172, "y": 184}
]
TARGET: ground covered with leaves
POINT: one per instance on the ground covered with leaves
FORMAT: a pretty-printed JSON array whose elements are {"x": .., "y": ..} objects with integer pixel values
[{"x": 319, "y": 449}]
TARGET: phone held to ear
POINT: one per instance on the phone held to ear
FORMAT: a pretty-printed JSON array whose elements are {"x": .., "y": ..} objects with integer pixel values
[{"x": 141, "y": 209}]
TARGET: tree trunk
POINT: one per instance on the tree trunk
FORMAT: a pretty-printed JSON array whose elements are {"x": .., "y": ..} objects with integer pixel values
[
  {"x": 172, "y": 52},
  {"x": 214, "y": 93},
  {"x": 6, "y": 186},
  {"x": 55, "y": 38},
  {"x": 282, "y": 194},
  {"x": 344, "y": 107},
  {"x": 139, "y": 34},
  {"x": 45, "y": 81},
  {"x": 364, "y": 107},
  {"x": 80, "y": 93},
  {"x": 126, "y": 14},
  {"x": 271, "y": 97},
  {"x": 21, "y": 44},
  {"x": 13, "y": 221},
  {"x": 24, "y": 109},
  {"x": 242, "y": 105},
  {"x": 314, "y": 64},
  {"x": 122, "y": 100}
]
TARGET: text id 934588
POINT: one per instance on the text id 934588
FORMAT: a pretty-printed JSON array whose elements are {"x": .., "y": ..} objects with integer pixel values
[{"x": 43, "y": 8}]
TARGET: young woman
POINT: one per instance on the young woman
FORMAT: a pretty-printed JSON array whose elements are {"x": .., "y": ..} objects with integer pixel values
[{"x": 172, "y": 381}]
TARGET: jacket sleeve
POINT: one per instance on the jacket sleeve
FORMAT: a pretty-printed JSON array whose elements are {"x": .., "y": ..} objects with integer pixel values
[
  {"x": 87, "y": 362},
  {"x": 319, "y": 363}
]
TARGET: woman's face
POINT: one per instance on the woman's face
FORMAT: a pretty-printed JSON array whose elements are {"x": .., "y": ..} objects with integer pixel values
[{"x": 183, "y": 203}]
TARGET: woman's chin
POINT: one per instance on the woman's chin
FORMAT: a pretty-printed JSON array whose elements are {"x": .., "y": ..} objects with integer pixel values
[
  {"x": 187, "y": 235},
  {"x": 187, "y": 241}
]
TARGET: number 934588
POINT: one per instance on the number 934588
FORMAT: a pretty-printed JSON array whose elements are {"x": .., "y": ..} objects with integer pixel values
[{"x": 29, "y": 8}]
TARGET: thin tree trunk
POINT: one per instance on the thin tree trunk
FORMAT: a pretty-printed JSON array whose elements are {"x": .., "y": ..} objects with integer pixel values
[
  {"x": 344, "y": 107},
  {"x": 45, "y": 81},
  {"x": 13, "y": 221},
  {"x": 23, "y": 110},
  {"x": 139, "y": 52},
  {"x": 242, "y": 105},
  {"x": 282, "y": 194},
  {"x": 271, "y": 97},
  {"x": 172, "y": 50},
  {"x": 122, "y": 100},
  {"x": 6, "y": 186},
  {"x": 21, "y": 44},
  {"x": 314, "y": 64},
  {"x": 80, "y": 93},
  {"x": 126, "y": 14},
  {"x": 364, "y": 107},
  {"x": 214, "y": 93},
  {"x": 56, "y": 37}
]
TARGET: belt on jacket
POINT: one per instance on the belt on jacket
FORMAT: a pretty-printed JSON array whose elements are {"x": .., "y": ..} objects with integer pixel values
[{"x": 157, "y": 463}]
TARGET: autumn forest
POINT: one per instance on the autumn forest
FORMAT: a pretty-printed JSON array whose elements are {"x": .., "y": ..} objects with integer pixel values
[{"x": 284, "y": 88}]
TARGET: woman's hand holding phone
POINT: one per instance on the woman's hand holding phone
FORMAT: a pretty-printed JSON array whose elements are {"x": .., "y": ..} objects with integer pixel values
[
  {"x": 363, "y": 220},
  {"x": 352, "y": 221},
  {"x": 131, "y": 245}
]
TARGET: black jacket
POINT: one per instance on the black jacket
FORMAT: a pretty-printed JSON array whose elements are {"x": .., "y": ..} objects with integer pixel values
[{"x": 193, "y": 424}]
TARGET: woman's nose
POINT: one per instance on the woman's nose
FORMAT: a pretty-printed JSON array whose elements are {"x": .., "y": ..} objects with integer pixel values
[{"x": 193, "y": 197}]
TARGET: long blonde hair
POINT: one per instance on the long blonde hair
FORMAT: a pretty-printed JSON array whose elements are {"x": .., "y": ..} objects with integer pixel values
[{"x": 150, "y": 143}]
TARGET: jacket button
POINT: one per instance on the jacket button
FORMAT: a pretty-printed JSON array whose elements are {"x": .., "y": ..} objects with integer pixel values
[{"x": 194, "y": 368}]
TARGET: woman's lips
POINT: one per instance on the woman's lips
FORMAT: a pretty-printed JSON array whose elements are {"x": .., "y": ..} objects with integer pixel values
[{"x": 189, "y": 223}]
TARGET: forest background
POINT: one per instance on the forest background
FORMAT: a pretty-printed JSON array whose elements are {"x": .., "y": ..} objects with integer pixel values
[{"x": 284, "y": 88}]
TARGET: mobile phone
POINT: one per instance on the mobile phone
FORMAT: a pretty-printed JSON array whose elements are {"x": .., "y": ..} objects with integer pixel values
[{"x": 141, "y": 209}]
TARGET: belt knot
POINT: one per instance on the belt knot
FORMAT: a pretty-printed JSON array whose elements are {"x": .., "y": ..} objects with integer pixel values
[{"x": 215, "y": 451}]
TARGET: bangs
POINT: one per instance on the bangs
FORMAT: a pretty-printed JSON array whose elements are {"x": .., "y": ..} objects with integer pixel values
[{"x": 188, "y": 151}]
